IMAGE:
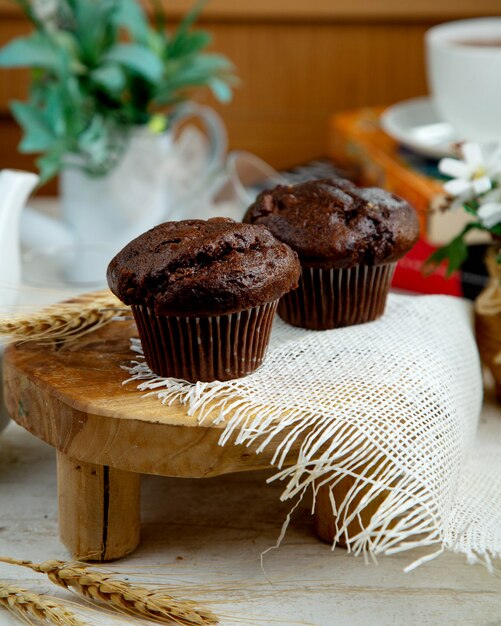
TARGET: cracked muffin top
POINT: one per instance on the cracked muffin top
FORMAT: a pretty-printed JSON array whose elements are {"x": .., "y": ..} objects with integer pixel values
[
  {"x": 332, "y": 223},
  {"x": 203, "y": 268}
]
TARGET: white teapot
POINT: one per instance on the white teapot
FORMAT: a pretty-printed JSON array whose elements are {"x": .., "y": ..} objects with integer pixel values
[{"x": 15, "y": 187}]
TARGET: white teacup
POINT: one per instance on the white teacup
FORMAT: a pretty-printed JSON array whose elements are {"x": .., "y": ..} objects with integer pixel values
[{"x": 464, "y": 76}]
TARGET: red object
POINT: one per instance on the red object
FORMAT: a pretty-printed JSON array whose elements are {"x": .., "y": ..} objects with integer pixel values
[{"x": 409, "y": 274}]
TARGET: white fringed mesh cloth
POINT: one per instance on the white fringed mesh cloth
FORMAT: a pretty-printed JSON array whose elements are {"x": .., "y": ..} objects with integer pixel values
[{"x": 394, "y": 403}]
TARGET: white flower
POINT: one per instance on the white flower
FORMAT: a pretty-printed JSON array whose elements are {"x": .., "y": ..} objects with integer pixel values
[
  {"x": 489, "y": 212},
  {"x": 473, "y": 175}
]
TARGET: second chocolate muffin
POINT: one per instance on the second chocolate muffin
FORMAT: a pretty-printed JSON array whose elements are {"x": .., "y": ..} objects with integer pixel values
[
  {"x": 203, "y": 294},
  {"x": 348, "y": 240}
]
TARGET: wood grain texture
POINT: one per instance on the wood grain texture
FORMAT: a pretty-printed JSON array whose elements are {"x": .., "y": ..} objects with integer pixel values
[
  {"x": 98, "y": 509},
  {"x": 325, "y": 522},
  {"x": 320, "y": 9},
  {"x": 72, "y": 397},
  {"x": 340, "y": 9}
]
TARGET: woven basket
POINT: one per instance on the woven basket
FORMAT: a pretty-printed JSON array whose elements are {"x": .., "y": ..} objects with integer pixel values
[{"x": 488, "y": 320}]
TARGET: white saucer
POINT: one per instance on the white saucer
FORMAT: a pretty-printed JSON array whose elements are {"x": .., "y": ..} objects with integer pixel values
[{"x": 416, "y": 125}]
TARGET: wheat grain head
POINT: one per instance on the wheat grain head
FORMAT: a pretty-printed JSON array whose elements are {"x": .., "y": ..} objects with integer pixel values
[
  {"x": 128, "y": 598},
  {"x": 33, "y": 607},
  {"x": 65, "y": 320}
]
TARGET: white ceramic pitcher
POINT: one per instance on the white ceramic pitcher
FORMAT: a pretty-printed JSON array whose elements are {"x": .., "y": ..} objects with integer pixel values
[
  {"x": 143, "y": 188},
  {"x": 152, "y": 182},
  {"x": 15, "y": 187}
]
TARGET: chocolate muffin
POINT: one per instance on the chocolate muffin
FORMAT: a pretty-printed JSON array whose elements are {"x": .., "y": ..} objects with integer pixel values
[
  {"x": 348, "y": 240},
  {"x": 204, "y": 294}
]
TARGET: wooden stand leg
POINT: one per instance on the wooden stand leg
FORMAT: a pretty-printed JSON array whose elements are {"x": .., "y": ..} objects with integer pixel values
[
  {"x": 98, "y": 509},
  {"x": 324, "y": 520}
]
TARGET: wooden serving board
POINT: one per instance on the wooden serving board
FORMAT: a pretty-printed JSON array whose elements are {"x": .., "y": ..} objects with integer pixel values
[
  {"x": 72, "y": 396},
  {"x": 106, "y": 435}
]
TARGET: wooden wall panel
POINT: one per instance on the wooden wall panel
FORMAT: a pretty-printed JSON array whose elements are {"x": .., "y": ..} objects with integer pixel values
[
  {"x": 301, "y": 10},
  {"x": 296, "y": 70},
  {"x": 295, "y": 76}
]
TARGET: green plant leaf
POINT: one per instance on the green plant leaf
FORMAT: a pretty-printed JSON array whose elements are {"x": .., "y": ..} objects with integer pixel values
[
  {"x": 109, "y": 76},
  {"x": 51, "y": 163},
  {"x": 180, "y": 76},
  {"x": 157, "y": 43},
  {"x": 471, "y": 207},
  {"x": 90, "y": 84},
  {"x": 94, "y": 28},
  {"x": 159, "y": 17},
  {"x": 182, "y": 31},
  {"x": 137, "y": 58},
  {"x": 191, "y": 17},
  {"x": 67, "y": 42},
  {"x": 212, "y": 62},
  {"x": 454, "y": 253},
  {"x": 48, "y": 165},
  {"x": 93, "y": 140},
  {"x": 195, "y": 71},
  {"x": 36, "y": 50},
  {"x": 130, "y": 15},
  {"x": 54, "y": 113},
  {"x": 188, "y": 43},
  {"x": 221, "y": 89},
  {"x": 495, "y": 230},
  {"x": 101, "y": 145},
  {"x": 38, "y": 135}
]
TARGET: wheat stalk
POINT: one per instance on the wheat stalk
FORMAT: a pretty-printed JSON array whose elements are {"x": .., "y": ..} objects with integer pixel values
[
  {"x": 119, "y": 594},
  {"x": 32, "y": 607},
  {"x": 66, "y": 320}
]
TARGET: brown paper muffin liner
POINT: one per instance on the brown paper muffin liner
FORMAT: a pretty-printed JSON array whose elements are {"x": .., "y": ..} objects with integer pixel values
[
  {"x": 205, "y": 348},
  {"x": 331, "y": 298}
]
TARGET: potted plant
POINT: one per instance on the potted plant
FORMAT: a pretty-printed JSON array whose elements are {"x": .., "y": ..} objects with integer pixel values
[
  {"x": 106, "y": 91},
  {"x": 475, "y": 187}
]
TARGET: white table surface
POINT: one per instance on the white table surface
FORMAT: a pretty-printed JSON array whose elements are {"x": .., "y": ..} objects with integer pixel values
[
  {"x": 212, "y": 531},
  {"x": 206, "y": 537}
]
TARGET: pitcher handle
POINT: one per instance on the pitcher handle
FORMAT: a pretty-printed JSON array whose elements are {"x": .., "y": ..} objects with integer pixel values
[{"x": 216, "y": 131}]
